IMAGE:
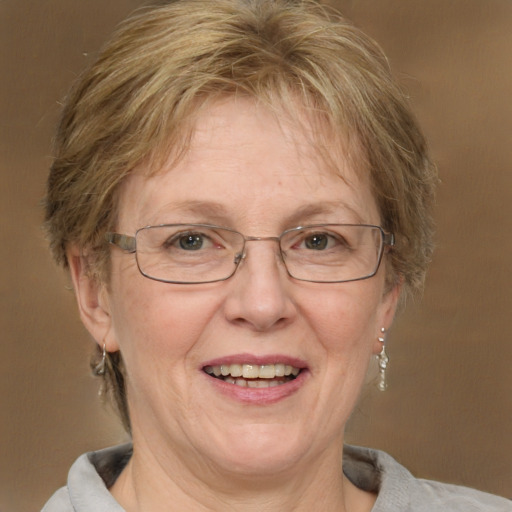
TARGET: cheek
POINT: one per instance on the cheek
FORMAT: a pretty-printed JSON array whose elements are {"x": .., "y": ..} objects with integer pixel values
[
  {"x": 158, "y": 325},
  {"x": 346, "y": 317},
  {"x": 344, "y": 322}
]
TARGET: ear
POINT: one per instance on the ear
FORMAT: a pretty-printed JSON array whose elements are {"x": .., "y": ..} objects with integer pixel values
[
  {"x": 387, "y": 310},
  {"x": 92, "y": 300}
]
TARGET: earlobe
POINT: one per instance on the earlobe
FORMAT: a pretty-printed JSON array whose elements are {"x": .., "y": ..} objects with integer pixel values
[{"x": 92, "y": 300}]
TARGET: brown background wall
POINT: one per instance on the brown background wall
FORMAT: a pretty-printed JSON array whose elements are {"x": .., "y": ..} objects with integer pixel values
[{"x": 448, "y": 412}]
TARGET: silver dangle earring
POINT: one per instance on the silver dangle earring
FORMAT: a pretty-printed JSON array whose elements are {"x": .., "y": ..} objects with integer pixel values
[
  {"x": 101, "y": 366},
  {"x": 383, "y": 361}
]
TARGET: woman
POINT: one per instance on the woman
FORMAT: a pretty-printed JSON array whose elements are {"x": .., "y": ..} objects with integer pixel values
[{"x": 242, "y": 197}]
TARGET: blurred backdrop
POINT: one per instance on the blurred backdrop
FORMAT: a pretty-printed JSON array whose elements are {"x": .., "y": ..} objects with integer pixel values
[{"x": 448, "y": 411}]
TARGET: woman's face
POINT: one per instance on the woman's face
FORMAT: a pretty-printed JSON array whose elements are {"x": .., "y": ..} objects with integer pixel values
[{"x": 245, "y": 171}]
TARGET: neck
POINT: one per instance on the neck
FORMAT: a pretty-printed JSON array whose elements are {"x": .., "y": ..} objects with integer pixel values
[{"x": 150, "y": 483}]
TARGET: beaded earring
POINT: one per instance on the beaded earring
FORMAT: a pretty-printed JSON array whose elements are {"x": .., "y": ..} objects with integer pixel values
[
  {"x": 383, "y": 361},
  {"x": 101, "y": 366}
]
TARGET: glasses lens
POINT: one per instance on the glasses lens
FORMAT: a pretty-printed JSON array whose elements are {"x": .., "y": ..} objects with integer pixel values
[
  {"x": 201, "y": 253},
  {"x": 182, "y": 253},
  {"x": 332, "y": 253}
]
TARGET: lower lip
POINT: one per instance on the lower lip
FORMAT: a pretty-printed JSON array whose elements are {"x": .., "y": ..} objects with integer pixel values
[{"x": 259, "y": 396}]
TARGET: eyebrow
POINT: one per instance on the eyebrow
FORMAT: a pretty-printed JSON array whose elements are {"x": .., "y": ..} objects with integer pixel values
[
  {"x": 306, "y": 212},
  {"x": 217, "y": 213},
  {"x": 205, "y": 209}
]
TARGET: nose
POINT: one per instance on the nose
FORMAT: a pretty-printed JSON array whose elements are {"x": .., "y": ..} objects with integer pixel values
[{"x": 260, "y": 290}]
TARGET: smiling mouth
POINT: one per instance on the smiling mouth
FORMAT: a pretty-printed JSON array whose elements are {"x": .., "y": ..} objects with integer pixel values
[{"x": 254, "y": 375}]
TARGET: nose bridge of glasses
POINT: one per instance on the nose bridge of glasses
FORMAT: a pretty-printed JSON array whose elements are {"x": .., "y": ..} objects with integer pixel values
[{"x": 243, "y": 253}]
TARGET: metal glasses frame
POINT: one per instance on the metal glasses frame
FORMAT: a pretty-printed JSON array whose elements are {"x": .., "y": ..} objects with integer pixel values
[{"x": 128, "y": 244}]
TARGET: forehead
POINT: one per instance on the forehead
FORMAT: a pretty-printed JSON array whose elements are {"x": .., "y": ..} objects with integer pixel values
[{"x": 245, "y": 159}]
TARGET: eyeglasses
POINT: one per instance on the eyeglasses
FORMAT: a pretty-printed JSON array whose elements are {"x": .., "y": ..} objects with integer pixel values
[{"x": 205, "y": 253}]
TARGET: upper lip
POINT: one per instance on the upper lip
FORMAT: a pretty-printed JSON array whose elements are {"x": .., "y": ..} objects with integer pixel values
[{"x": 246, "y": 358}]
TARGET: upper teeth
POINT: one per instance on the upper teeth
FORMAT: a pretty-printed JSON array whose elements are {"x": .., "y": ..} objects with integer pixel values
[{"x": 253, "y": 371}]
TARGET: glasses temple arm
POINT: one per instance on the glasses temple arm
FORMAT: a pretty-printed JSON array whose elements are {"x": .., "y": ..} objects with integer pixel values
[
  {"x": 124, "y": 242},
  {"x": 388, "y": 239}
]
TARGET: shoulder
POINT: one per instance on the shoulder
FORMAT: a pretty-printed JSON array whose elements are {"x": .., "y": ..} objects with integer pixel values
[
  {"x": 438, "y": 496},
  {"x": 399, "y": 491},
  {"x": 88, "y": 481},
  {"x": 59, "y": 502}
]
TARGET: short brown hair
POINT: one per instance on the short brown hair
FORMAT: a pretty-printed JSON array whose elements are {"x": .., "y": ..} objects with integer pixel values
[{"x": 135, "y": 101}]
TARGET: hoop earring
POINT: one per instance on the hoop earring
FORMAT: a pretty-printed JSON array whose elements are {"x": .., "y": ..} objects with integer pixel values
[
  {"x": 383, "y": 361},
  {"x": 101, "y": 366}
]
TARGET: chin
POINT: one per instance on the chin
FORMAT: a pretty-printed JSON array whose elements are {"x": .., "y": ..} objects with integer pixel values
[{"x": 262, "y": 450}]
